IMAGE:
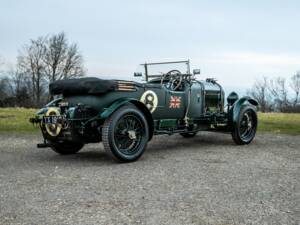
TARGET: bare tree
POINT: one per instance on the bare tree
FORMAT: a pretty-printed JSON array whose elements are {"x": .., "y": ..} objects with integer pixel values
[
  {"x": 32, "y": 67},
  {"x": 62, "y": 61},
  {"x": 22, "y": 89},
  {"x": 45, "y": 60},
  {"x": 4, "y": 88},
  {"x": 1, "y": 66},
  {"x": 260, "y": 92},
  {"x": 278, "y": 90},
  {"x": 295, "y": 85}
]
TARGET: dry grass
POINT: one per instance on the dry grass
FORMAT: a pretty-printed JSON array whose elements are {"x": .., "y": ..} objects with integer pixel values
[
  {"x": 286, "y": 123},
  {"x": 16, "y": 120}
]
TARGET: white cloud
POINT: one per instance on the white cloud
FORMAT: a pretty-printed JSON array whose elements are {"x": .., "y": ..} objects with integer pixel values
[
  {"x": 241, "y": 68},
  {"x": 255, "y": 58}
]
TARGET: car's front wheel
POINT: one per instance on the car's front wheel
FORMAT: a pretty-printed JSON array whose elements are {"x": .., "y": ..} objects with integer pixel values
[
  {"x": 66, "y": 147},
  {"x": 244, "y": 129},
  {"x": 125, "y": 134}
]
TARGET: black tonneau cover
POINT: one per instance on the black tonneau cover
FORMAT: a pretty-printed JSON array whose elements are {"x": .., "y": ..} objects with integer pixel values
[{"x": 81, "y": 86}]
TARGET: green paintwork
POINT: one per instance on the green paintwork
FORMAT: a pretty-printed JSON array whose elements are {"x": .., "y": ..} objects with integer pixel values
[
  {"x": 54, "y": 102},
  {"x": 114, "y": 106},
  {"x": 197, "y": 105},
  {"x": 234, "y": 112},
  {"x": 170, "y": 123}
]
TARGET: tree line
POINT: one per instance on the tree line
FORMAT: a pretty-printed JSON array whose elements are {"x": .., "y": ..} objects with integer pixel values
[
  {"x": 51, "y": 58},
  {"x": 41, "y": 61},
  {"x": 278, "y": 94}
]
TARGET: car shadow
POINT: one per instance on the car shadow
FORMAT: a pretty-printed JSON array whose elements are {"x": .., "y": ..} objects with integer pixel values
[
  {"x": 201, "y": 140},
  {"x": 95, "y": 154},
  {"x": 85, "y": 157}
]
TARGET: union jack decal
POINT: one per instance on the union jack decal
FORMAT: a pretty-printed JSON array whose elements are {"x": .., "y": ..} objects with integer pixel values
[{"x": 175, "y": 102}]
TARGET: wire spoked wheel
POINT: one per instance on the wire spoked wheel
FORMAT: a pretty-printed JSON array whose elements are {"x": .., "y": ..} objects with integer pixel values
[
  {"x": 245, "y": 128},
  {"x": 128, "y": 134},
  {"x": 125, "y": 134}
]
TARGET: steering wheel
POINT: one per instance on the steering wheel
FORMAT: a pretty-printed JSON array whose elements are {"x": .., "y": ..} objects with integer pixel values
[{"x": 175, "y": 79}]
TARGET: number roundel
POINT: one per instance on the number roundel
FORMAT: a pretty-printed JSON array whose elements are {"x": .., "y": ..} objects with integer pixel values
[
  {"x": 53, "y": 129},
  {"x": 149, "y": 98}
]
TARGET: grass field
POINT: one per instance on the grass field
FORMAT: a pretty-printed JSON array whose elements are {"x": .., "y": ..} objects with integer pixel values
[
  {"x": 16, "y": 120},
  {"x": 285, "y": 123}
]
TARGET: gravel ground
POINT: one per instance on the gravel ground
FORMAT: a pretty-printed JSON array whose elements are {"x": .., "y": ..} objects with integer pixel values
[{"x": 203, "y": 180}]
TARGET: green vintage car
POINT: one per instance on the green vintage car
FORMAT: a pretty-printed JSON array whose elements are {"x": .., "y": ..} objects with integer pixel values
[{"x": 125, "y": 115}]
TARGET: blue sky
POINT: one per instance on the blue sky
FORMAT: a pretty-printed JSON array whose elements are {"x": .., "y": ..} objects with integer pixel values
[{"x": 233, "y": 41}]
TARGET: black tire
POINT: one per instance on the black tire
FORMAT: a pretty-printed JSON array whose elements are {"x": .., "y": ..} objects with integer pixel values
[
  {"x": 245, "y": 129},
  {"x": 188, "y": 135},
  {"x": 125, "y": 134},
  {"x": 66, "y": 148}
]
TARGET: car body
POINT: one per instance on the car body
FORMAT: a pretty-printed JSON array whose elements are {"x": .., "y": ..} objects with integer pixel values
[{"x": 125, "y": 115}]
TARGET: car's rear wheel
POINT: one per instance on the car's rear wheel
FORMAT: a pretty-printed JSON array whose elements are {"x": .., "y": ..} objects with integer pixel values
[
  {"x": 244, "y": 129},
  {"x": 125, "y": 134},
  {"x": 188, "y": 135},
  {"x": 66, "y": 147}
]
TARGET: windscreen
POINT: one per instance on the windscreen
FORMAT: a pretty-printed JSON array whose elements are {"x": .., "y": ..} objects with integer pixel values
[
  {"x": 150, "y": 71},
  {"x": 160, "y": 69}
]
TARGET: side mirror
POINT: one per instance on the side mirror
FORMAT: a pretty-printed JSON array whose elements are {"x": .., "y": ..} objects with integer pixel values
[
  {"x": 137, "y": 74},
  {"x": 196, "y": 71}
]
